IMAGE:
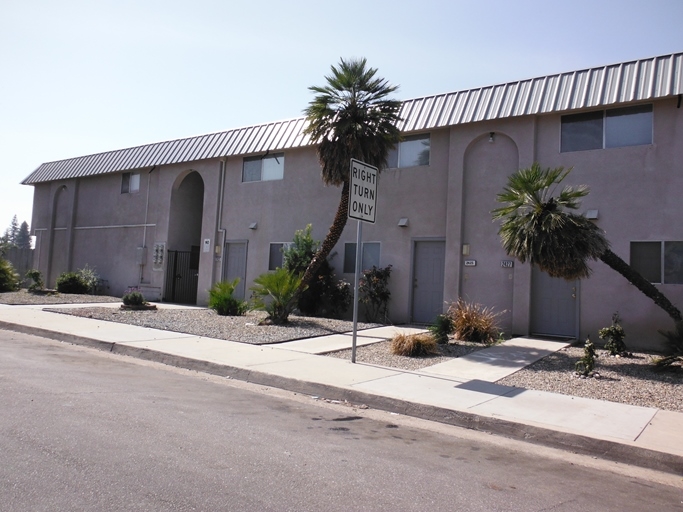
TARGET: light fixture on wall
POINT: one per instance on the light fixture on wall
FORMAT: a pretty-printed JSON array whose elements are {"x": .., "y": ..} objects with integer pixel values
[
  {"x": 403, "y": 222},
  {"x": 491, "y": 134},
  {"x": 465, "y": 249},
  {"x": 253, "y": 225},
  {"x": 592, "y": 214}
]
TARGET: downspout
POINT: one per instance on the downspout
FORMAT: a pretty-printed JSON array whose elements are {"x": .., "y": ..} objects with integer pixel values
[
  {"x": 219, "y": 219},
  {"x": 144, "y": 229}
]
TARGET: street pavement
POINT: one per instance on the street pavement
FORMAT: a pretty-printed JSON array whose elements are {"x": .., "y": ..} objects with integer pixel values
[{"x": 460, "y": 392}]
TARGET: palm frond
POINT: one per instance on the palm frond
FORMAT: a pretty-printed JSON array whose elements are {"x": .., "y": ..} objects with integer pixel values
[{"x": 536, "y": 227}]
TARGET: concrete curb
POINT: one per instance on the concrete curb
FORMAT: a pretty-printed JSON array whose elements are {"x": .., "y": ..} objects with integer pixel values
[{"x": 610, "y": 450}]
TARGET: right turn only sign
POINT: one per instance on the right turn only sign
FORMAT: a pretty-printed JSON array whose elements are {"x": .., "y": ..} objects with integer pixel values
[{"x": 363, "y": 192}]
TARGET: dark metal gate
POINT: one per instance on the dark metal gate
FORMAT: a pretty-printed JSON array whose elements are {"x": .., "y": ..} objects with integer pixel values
[{"x": 182, "y": 272}]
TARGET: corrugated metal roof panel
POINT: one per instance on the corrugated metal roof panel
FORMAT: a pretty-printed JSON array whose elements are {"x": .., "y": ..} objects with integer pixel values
[{"x": 589, "y": 88}]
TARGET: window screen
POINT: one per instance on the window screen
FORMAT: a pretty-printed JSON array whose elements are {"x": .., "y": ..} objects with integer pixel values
[
  {"x": 581, "y": 132},
  {"x": 628, "y": 126},
  {"x": 370, "y": 256},
  {"x": 646, "y": 259}
]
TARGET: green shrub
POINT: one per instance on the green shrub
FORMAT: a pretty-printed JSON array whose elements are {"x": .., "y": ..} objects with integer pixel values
[
  {"x": 373, "y": 288},
  {"x": 586, "y": 364},
  {"x": 71, "y": 282},
  {"x": 133, "y": 297},
  {"x": 413, "y": 345},
  {"x": 37, "y": 278},
  {"x": 325, "y": 296},
  {"x": 276, "y": 293},
  {"x": 90, "y": 277},
  {"x": 474, "y": 322},
  {"x": 441, "y": 328},
  {"x": 9, "y": 279},
  {"x": 222, "y": 301},
  {"x": 614, "y": 335}
]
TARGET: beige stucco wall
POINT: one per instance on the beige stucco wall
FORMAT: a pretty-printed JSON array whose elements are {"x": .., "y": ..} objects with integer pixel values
[{"x": 635, "y": 189}]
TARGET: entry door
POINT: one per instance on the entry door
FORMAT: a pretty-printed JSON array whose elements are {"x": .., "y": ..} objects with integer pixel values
[
  {"x": 553, "y": 305},
  {"x": 182, "y": 273},
  {"x": 235, "y": 265},
  {"x": 428, "y": 275}
]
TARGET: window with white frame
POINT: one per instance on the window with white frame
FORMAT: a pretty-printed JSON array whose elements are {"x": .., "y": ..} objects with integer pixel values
[
  {"x": 658, "y": 262},
  {"x": 263, "y": 168},
  {"x": 410, "y": 152},
  {"x": 130, "y": 182},
  {"x": 613, "y": 128},
  {"x": 369, "y": 258},
  {"x": 276, "y": 256}
]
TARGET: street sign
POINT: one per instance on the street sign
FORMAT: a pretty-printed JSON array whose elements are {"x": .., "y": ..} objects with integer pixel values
[{"x": 363, "y": 192}]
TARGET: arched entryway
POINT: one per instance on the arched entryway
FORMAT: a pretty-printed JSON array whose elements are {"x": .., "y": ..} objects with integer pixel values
[
  {"x": 184, "y": 239},
  {"x": 489, "y": 160}
]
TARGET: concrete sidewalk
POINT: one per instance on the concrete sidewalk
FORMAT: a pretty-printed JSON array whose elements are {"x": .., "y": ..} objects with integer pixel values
[{"x": 459, "y": 392}]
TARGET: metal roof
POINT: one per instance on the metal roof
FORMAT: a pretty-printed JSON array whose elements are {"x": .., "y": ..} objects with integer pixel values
[{"x": 638, "y": 80}]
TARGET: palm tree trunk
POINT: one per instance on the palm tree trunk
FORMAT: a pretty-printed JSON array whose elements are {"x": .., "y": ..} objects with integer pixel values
[
  {"x": 331, "y": 239},
  {"x": 645, "y": 286}
]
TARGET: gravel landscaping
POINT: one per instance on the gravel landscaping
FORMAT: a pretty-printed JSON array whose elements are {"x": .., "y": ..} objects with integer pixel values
[
  {"x": 24, "y": 298},
  {"x": 629, "y": 380},
  {"x": 205, "y": 322}
]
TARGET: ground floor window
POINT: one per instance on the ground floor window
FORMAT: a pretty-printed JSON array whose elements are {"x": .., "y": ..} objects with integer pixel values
[
  {"x": 275, "y": 258},
  {"x": 370, "y": 256},
  {"x": 658, "y": 262}
]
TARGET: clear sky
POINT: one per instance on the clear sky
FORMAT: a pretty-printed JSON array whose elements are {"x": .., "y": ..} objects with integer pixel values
[{"x": 84, "y": 76}]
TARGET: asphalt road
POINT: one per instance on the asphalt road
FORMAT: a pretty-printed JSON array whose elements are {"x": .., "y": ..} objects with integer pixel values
[{"x": 87, "y": 430}]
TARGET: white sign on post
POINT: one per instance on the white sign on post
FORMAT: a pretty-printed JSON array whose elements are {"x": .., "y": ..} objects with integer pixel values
[
  {"x": 363, "y": 192},
  {"x": 363, "y": 208}
]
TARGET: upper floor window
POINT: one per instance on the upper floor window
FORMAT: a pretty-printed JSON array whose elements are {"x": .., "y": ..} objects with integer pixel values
[
  {"x": 410, "y": 152},
  {"x": 613, "y": 128},
  {"x": 370, "y": 256},
  {"x": 130, "y": 182},
  {"x": 263, "y": 168},
  {"x": 658, "y": 262}
]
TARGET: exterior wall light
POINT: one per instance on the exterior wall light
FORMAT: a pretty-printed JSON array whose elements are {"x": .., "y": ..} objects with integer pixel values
[
  {"x": 491, "y": 134},
  {"x": 403, "y": 222},
  {"x": 253, "y": 225},
  {"x": 592, "y": 214},
  {"x": 465, "y": 249}
]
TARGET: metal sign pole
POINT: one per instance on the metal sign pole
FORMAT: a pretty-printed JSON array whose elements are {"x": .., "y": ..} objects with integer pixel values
[
  {"x": 363, "y": 208},
  {"x": 359, "y": 255}
]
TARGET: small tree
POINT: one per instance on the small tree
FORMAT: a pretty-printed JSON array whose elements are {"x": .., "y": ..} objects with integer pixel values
[
  {"x": 351, "y": 116},
  {"x": 325, "y": 296}
]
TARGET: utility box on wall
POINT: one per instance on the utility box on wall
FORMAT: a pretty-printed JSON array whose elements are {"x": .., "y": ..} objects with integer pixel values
[
  {"x": 158, "y": 256},
  {"x": 141, "y": 255}
]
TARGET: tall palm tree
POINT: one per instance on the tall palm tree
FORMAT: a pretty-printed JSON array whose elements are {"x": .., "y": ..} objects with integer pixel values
[
  {"x": 349, "y": 117},
  {"x": 537, "y": 227}
]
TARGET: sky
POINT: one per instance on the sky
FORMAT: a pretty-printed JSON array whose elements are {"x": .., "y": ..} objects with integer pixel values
[{"x": 79, "y": 77}]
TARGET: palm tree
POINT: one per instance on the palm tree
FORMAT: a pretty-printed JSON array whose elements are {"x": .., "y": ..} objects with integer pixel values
[
  {"x": 537, "y": 227},
  {"x": 350, "y": 117}
]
